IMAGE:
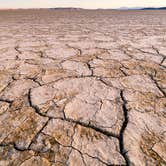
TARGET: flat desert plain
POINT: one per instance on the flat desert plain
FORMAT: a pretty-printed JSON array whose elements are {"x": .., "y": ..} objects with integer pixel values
[{"x": 82, "y": 88}]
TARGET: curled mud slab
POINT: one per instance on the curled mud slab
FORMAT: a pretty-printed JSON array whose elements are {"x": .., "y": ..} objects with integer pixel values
[{"x": 82, "y": 88}]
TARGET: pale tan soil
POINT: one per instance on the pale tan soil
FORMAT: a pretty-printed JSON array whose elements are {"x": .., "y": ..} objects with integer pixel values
[{"x": 82, "y": 88}]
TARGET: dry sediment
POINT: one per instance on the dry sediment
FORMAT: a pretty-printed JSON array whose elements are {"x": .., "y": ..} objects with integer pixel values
[{"x": 82, "y": 88}]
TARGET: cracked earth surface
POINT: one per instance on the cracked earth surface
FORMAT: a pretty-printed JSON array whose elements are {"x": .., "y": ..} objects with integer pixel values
[{"x": 82, "y": 88}]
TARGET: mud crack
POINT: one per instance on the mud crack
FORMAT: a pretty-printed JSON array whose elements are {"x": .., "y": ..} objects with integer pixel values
[{"x": 121, "y": 136}]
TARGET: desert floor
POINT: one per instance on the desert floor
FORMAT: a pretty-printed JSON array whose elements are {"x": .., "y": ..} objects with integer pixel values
[{"x": 82, "y": 88}]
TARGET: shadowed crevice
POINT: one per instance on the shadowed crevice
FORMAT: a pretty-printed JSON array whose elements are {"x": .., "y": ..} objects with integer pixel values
[{"x": 121, "y": 135}]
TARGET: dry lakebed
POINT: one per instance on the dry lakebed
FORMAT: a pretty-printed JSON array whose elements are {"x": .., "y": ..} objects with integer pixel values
[{"x": 82, "y": 88}]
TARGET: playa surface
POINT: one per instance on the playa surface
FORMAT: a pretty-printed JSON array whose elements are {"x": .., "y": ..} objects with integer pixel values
[{"x": 82, "y": 88}]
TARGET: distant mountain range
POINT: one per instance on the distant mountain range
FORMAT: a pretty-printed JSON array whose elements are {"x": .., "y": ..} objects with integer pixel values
[
  {"x": 153, "y": 8},
  {"x": 67, "y": 8},
  {"x": 140, "y": 8},
  {"x": 78, "y": 9},
  {"x": 122, "y": 8}
]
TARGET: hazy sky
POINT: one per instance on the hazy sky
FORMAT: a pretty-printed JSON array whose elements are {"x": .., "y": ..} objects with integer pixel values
[{"x": 80, "y": 3}]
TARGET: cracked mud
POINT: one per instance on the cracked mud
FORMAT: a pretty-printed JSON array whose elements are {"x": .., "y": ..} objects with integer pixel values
[{"x": 82, "y": 88}]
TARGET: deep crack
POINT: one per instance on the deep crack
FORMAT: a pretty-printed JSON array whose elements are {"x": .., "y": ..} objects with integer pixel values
[
  {"x": 37, "y": 110},
  {"x": 121, "y": 135}
]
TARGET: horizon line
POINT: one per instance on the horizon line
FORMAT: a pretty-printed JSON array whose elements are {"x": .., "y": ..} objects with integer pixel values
[
  {"x": 121, "y": 8},
  {"x": 79, "y": 8}
]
